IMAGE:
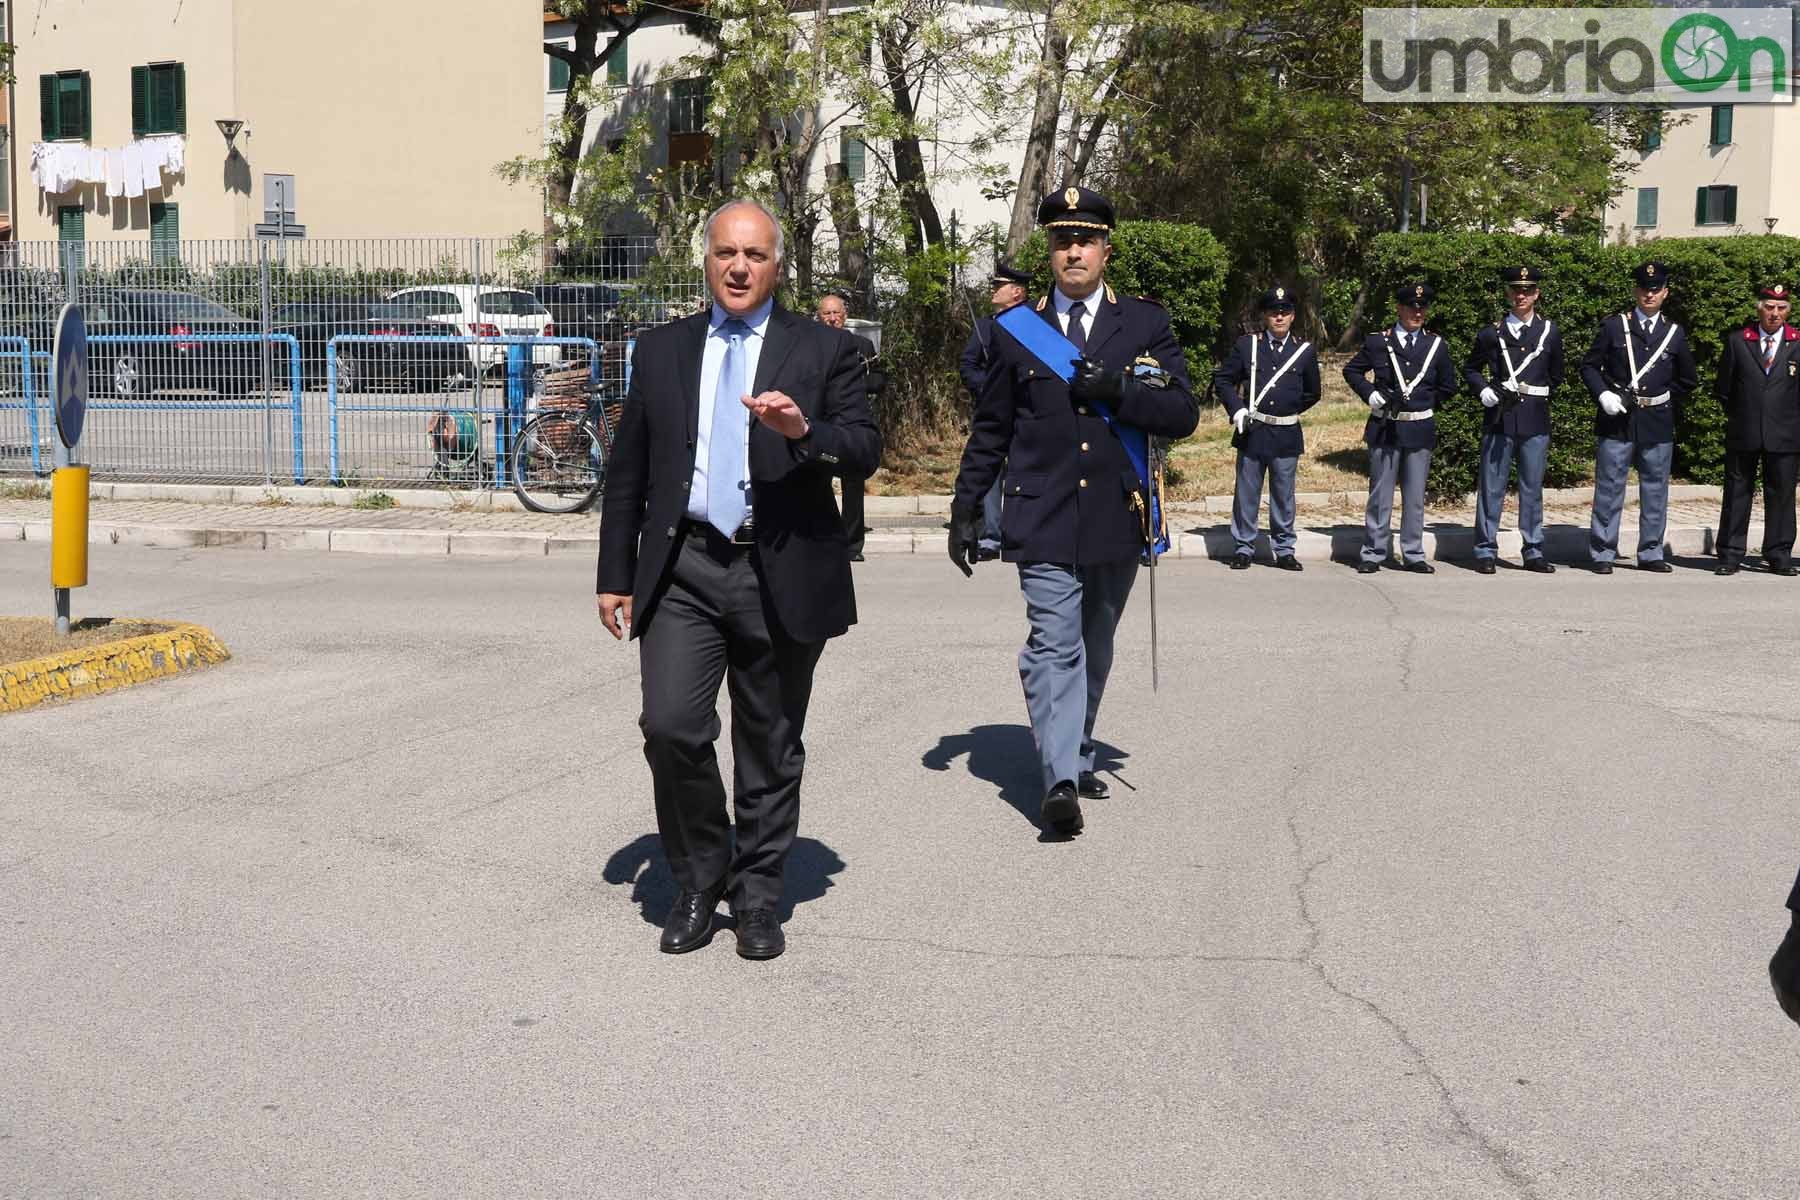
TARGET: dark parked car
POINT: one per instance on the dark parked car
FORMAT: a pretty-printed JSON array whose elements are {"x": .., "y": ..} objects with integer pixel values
[
  {"x": 420, "y": 366},
  {"x": 132, "y": 371},
  {"x": 586, "y": 310}
]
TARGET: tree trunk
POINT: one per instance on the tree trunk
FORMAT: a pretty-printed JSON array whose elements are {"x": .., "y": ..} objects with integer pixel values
[
  {"x": 922, "y": 228},
  {"x": 853, "y": 255},
  {"x": 1040, "y": 138}
]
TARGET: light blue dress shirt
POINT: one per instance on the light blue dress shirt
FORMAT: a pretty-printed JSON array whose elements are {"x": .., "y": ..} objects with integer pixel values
[{"x": 710, "y": 364}]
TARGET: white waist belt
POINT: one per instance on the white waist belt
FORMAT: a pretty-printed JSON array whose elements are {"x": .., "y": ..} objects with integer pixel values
[
  {"x": 1272, "y": 419},
  {"x": 1652, "y": 401},
  {"x": 1424, "y": 414},
  {"x": 1530, "y": 389}
]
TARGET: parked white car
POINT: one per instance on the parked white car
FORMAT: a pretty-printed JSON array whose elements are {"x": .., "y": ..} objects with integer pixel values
[{"x": 482, "y": 311}]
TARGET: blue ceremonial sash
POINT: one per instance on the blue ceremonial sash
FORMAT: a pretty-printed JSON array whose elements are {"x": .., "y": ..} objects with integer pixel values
[{"x": 1057, "y": 354}]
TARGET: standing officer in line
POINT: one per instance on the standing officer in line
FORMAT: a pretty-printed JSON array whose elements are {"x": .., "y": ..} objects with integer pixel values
[
  {"x": 1514, "y": 366},
  {"x": 1759, "y": 386},
  {"x": 1413, "y": 375},
  {"x": 834, "y": 310},
  {"x": 1009, "y": 289},
  {"x": 1784, "y": 968},
  {"x": 1637, "y": 368},
  {"x": 1280, "y": 380},
  {"x": 1075, "y": 518}
]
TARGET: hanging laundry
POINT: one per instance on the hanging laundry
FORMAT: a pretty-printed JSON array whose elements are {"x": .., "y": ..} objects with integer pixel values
[
  {"x": 115, "y": 173},
  {"x": 151, "y": 159},
  {"x": 133, "y": 163}
]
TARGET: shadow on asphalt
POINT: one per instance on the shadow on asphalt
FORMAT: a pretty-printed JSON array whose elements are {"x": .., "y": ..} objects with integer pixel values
[
  {"x": 810, "y": 866},
  {"x": 1006, "y": 756}
]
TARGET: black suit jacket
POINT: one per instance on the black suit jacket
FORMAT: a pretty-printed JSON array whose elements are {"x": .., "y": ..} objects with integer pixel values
[
  {"x": 1608, "y": 368},
  {"x": 1541, "y": 343},
  {"x": 1762, "y": 412},
  {"x": 800, "y": 545}
]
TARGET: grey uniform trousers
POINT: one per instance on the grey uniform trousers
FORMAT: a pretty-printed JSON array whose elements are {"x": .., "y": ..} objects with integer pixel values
[
  {"x": 1068, "y": 654},
  {"x": 1497, "y": 450},
  {"x": 1411, "y": 467},
  {"x": 1612, "y": 459},
  {"x": 1248, "y": 498}
]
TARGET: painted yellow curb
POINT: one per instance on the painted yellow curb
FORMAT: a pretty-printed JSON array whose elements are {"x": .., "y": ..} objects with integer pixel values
[{"x": 108, "y": 666}]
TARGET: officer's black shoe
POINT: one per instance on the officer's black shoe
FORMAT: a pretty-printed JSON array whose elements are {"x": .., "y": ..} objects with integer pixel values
[
  {"x": 759, "y": 934},
  {"x": 690, "y": 922},
  {"x": 856, "y": 556},
  {"x": 1288, "y": 562},
  {"x": 1421, "y": 567},
  {"x": 1540, "y": 565},
  {"x": 1365, "y": 567},
  {"x": 1091, "y": 787},
  {"x": 1728, "y": 567},
  {"x": 1654, "y": 564},
  {"x": 1485, "y": 566},
  {"x": 1784, "y": 971},
  {"x": 1062, "y": 811},
  {"x": 1240, "y": 562},
  {"x": 1603, "y": 568},
  {"x": 1784, "y": 568}
]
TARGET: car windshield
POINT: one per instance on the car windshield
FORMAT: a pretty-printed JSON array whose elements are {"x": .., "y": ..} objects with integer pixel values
[
  {"x": 511, "y": 304},
  {"x": 180, "y": 304}
]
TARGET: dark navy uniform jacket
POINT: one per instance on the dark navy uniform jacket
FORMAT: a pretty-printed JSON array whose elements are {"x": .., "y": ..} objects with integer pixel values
[
  {"x": 1605, "y": 369},
  {"x": 1295, "y": 392},
  {"x": 974, "y": 362},
  {"x": 1486, "y": 367},
  {"x": 1069, "y": 482},
  {"x": 1432, "y": 391}
]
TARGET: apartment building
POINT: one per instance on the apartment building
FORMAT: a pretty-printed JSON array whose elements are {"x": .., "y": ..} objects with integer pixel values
[
  {"x": 204, "y": 119},
  {"x": 1715, "y": 170}
]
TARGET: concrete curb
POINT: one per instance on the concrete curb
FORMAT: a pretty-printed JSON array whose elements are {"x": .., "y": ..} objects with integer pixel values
[{"x": 109, "y": 666}]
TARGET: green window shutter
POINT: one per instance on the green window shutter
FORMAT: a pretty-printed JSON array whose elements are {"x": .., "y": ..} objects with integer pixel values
[
  {"x": 559, "y": 75},
  {"x": 1700, "y": 206},
  {"x": 850, "y": 152},
  {"x": 86, "y": 90},
  {"x": 47, "y": 105},
  {"x": 71, "y": 224},
  {"x": 1721, "y": 125},
  {"x": 1652, "y": 139},
  {"x": 616, "y": 72},
  {"x": 165, "y": 234},
  {"x": 178, "y": 112},
  {"x": 140, "y": 101},
  {"x": 71, "y": 109},
  {"x": 1646, "y": 206},
  {"x": 1730, "y": 215}
]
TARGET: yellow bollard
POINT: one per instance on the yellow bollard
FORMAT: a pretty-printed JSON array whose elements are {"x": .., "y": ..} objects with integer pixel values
[{"x": 69, "y": 527}]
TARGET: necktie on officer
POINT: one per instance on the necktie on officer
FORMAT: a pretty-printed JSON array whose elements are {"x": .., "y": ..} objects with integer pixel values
[
  {"x": 726, "y": 503},
  {"x": 1768, "y": 352},
  {"x": 1078, "y": 332}
]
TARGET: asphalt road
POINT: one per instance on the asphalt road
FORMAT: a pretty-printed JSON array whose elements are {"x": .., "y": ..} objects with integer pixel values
[{"x": 1447, "y": 887}]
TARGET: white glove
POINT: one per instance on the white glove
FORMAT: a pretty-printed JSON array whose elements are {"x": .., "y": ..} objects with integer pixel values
[
  {"x": 1377, "y": 402},
  {"x": 1489, "y": 397},
  {"x": 1240, "y": 419},
  {"x": 1612, "y": 403}
]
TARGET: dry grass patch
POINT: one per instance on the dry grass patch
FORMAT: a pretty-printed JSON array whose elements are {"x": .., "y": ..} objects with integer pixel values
[{"x": 26, "y": 638}]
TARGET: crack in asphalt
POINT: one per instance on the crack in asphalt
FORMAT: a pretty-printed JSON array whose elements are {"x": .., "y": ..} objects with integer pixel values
[{"x": 1409, "y": 639}]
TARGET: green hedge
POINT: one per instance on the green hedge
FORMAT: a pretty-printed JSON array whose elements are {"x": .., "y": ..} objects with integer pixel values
[
  {"x": 1584, "y": 283},
  {"x": 1182, "y": 267}
]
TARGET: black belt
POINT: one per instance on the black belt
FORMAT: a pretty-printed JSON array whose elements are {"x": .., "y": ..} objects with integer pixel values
[{"x": 717, "y": 544}]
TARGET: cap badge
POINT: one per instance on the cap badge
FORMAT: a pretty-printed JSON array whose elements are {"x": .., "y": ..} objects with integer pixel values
[
  {"x": 1072, "y": 197},
  {"x": 1524, "y": 271},
  {"x": 1281, "y": 293}
]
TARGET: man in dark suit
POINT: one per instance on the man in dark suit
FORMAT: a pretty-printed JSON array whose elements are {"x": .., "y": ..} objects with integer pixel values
[
  {"x": 1514, "y": 367},
  {"x": 1784, "y": 968},
  {"x": 1759, "y": 385},
  {"x": 722, "y": 552},
  {"x": 1075, "y": 514},
  {"x": 1638, "y": 369},
  {"x": 1009, "y": 289},
  {"x": 1279, "y": 378},
  {"x": 834, "y": 310},
  {"x": 1413, "y": 375}
]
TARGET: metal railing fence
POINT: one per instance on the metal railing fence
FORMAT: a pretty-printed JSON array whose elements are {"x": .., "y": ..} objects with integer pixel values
[{"x": 213, "y": 361}]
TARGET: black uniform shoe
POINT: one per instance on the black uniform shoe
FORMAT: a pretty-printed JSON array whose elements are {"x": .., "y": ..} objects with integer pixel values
[
  {"x": 690, "y": 922},
  {"x": 759, "y": 934},
  {"x": 1728, "y": 567},
  {"x": 1421, "y": 568},
  {"x": 1365, "y": 567},
  {"x": 856, "y": 557},
  {"x": 1288, "y": 562},
  {"x": 1091, "y": 787},
  {"x": 1786, "y": 568},
  {"x": 1603, "y": 568},
  {"x": 1484, "y": 566},
  {"x": 1784, "y": 971},
  {"x": 1062, "y": 811},
  {"x": 1240, "y": 562},
  {"x": 1655, "y": 564}
]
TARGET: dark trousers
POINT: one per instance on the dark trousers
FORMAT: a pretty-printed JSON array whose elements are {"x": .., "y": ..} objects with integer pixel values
[
  {"x": 853, "y": 512},
  {"x": 1778, "y": 472},
  {"x": 710, "y": 627}
]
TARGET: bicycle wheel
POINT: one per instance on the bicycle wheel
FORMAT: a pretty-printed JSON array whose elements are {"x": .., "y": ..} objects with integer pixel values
[{"x": 558, "y": 463}]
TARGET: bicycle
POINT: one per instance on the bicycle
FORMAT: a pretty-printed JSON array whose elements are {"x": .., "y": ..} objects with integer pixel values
[{"x": 558, "y": 460}]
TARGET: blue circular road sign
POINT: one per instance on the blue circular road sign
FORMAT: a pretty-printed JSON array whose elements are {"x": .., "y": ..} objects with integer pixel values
[{"x": 70, "y": 374}]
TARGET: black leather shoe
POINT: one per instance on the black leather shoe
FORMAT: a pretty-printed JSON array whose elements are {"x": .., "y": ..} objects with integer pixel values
[
  {"x": 759, "y": 934},
  {"x": 1365, "y": 567},
  {"x": 1540, "y": 565},
  {"x": 1784, "y": 972},
  {"x": 1603, "y": 568},
  {"x": 1062, "y": 811},
  {"x": 1485, "y": 566},
  {"x": 1654, "y": 564},
  {"x": 1728, "y": 568},
  {"x": 1421, "y": 568},
  {"x": 1288, "y": 562},
  {"x": 856, "y": 557},
  {"x": 1091, "y": 787},
  {"x": 1240, "y": 562},
  {"x": 1786, "y": 568},
  {"x": 690, "y": 923}
]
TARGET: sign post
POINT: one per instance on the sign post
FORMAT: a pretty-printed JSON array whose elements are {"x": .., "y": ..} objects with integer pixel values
[{"x": 69, "y": 482}]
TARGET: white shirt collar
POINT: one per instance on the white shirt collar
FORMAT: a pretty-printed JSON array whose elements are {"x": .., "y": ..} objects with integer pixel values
[
  {"x": 1064, "y": 302},
  {"x": 1644, "y": 317},
  {"x": 1513, "y": 322},
  {"x": 1277, "y": 344},
  {"x": 1402, "y": 332},
  {"x": 757, "y": 320}
]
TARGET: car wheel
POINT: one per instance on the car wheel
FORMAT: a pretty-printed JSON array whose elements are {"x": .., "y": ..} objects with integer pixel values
[{"x": 128, "y": 380}]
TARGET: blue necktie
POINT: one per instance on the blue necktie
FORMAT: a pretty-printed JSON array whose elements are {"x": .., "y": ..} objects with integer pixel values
[{"x": 725, "y": 499}]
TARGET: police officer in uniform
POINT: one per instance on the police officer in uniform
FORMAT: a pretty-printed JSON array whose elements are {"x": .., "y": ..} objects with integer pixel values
[
  {"x": 1009, "y": 289},
  {"x": 1413, "y": 375},
  {"x": 1784, "y": 968},
  {"x": 1279, "y": 378},
  {"x": 1074, "y": 521},
  {"x": 1759, "y": 386},
  {"x": 1638, "y": 368},
  {"x": 1514, "y": 366}
]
